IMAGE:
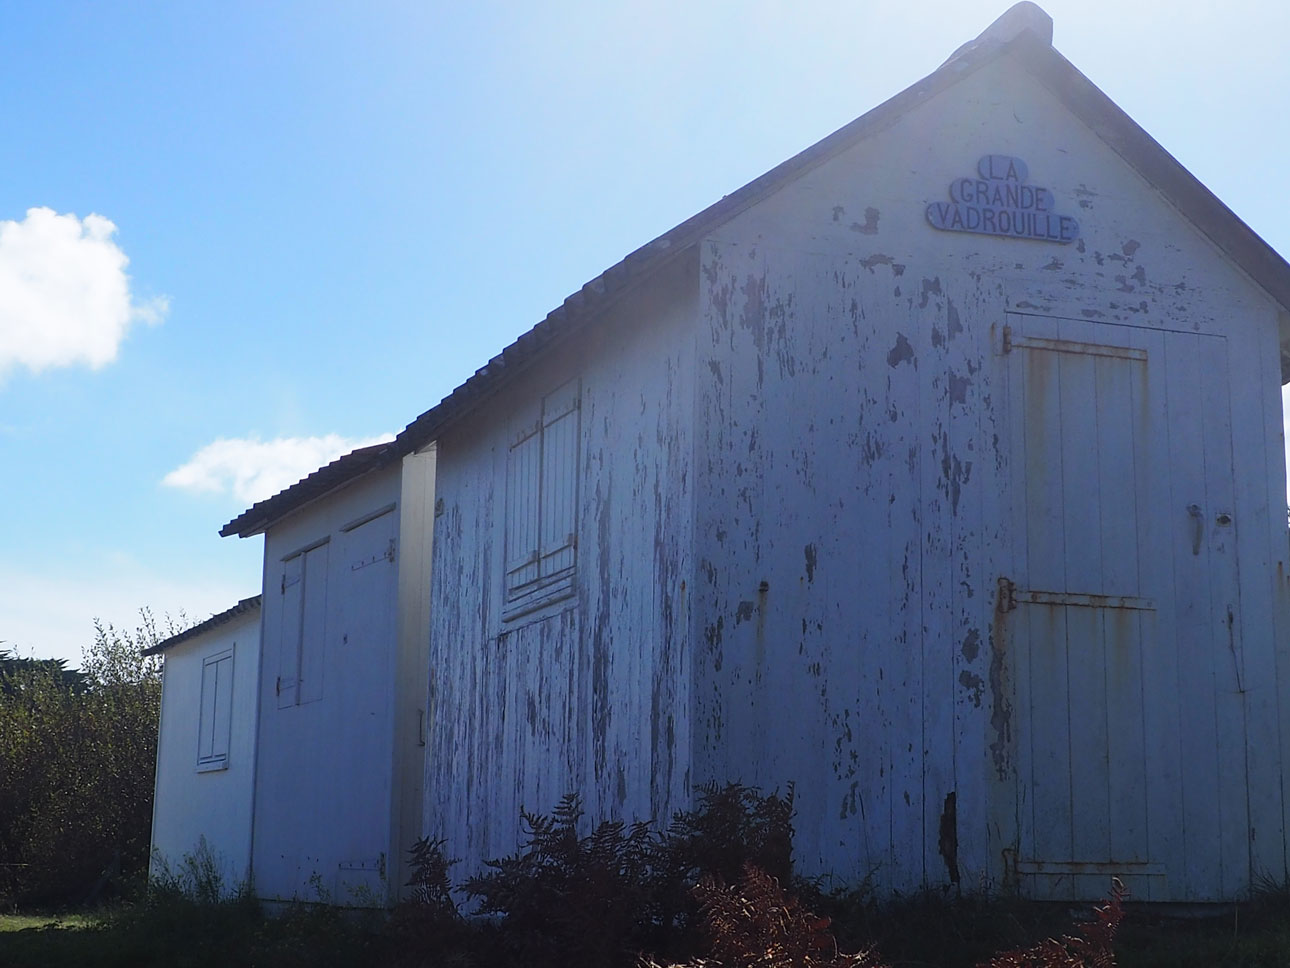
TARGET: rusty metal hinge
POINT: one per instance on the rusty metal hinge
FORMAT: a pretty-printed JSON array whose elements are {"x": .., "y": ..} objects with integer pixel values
[
  {"x": 1007, "y": 600},
  {"x": 1007, "y": 339},
  {"x": 1010, "y": 872},
  {"x": 1198, "y": 527}
]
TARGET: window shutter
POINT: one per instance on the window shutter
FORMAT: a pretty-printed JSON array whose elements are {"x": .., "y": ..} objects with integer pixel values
[
  {"x": 541, "y": 505},
  {"x": 216, "y": 714}
]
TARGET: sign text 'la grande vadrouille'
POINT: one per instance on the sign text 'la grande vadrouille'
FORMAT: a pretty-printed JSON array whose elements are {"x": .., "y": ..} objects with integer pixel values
[{"x": 1001, "y": 203}]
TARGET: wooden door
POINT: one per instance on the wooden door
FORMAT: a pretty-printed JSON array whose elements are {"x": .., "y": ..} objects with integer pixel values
[
  {"x": 1121, "y": 613},
  {"x": 365, "y": 644}
]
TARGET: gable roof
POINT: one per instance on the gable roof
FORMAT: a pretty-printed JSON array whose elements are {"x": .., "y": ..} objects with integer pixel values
[
  {"x": 223, "y": 618},
  {"x": 1023, "y": 32}
]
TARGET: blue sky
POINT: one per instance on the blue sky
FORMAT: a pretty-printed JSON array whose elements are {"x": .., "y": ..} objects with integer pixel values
[{"x": 334, "y": 212}]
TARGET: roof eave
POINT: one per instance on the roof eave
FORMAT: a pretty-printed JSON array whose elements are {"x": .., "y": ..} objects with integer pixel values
[
  {"x": 326, "y": 480},
  {"x": 222, "y": 618}
]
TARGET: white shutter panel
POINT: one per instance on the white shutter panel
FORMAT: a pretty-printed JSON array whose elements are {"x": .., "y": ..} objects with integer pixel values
[
  {"x": 216, "y": 716},
  {"x": 559, "y": 487},
  {"x": 206, "y": 738},
  {"x": 523, "y": 475},
  {"x": 223, "y": 718}
]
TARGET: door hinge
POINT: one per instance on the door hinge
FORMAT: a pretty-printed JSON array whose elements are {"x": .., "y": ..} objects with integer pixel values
[
  {"x": 277, "y": 686},
  {"x": 1007, "y": 600},
  {"x": 1007, "y": 339}
]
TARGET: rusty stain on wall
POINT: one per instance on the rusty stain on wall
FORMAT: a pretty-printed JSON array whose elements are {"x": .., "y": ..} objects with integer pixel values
[{"x": 1000, "y": 700}]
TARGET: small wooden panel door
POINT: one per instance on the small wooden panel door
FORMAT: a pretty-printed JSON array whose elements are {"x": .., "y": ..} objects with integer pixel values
[
  {"x": 1123, "y": 554},
  {"x": 365, "y": 647}
]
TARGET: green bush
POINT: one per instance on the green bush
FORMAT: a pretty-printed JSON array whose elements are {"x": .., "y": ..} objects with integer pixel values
[{"x": 77, "y": 762}]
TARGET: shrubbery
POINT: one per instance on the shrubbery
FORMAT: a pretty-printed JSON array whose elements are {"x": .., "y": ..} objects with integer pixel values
[
  {"x": 716, "y": 888},
  {"x": 77, "y": 761},
  {"x": 602, "y": 898}
]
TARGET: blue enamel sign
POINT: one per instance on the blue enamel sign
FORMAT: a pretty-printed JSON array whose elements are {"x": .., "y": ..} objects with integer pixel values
[{"x": 1000, "y": 202}]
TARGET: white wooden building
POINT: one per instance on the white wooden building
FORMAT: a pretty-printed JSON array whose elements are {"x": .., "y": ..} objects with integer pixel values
[
  {"x": 342, "y": 681},
  {"x": 206, "y": 745},
  {"x": 938, "y": 471}
]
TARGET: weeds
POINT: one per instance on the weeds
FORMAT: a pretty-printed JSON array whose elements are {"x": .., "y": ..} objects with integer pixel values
[
  {"x": 198, "y": 877},
  {"x": 599, "y": 898}
]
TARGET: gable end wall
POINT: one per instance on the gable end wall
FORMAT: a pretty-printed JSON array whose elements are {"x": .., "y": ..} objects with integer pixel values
[{"x": 851, "y": 518}]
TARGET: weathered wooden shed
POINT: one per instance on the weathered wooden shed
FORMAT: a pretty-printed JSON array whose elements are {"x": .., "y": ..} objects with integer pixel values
[{"x": 938, "y": 471}]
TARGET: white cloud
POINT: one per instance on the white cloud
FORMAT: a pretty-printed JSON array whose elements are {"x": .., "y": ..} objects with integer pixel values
[
  {"x": 50, "y": 614},
  {"x": 251, "y": 469},
  {"x": 64, "y": 292}
]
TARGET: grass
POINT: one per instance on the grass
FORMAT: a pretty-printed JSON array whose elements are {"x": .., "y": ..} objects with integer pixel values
[
  {"x": 917, "y": 932},
  {"x": 928, "y": 932},
  {"x": 25, "y": 922},
  {"x": 175, "y": 932},
  {"x": 1252, "y": 935}
]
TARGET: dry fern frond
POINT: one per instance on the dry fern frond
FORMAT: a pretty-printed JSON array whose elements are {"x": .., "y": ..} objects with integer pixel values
[
  {"x": 754, "y": 924},
  {"x": 1090, "y": 947}
]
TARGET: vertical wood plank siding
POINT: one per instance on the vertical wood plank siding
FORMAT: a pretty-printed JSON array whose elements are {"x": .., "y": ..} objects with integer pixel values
[{"x": 590, "y": 695}]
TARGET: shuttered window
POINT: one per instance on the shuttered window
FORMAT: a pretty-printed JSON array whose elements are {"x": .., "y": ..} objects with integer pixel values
[
  {"x": 303, "y": 634},
  {"x": 541, "y": 505},
  {"x": 215, "y": 722}
]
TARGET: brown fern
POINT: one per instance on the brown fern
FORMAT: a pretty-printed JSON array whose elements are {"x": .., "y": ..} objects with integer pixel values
[
  {"x": 1089, "y": 947},
  {"x": 754, "y": 924}
]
